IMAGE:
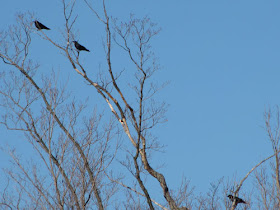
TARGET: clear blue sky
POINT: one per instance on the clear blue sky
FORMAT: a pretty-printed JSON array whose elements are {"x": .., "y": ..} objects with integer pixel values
[{"x": 222, "y": 61}]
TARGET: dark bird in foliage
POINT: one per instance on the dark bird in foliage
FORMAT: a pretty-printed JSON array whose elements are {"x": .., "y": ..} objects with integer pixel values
[
  {"x": 80, "y": 47},
  {"x": 236, "y": 199},
  {"x": 40, "y": 26}
]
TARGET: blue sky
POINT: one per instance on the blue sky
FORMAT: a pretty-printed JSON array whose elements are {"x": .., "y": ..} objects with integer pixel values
[{"x": 222, "y": 61}]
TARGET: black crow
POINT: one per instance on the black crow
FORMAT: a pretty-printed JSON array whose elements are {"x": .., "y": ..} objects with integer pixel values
[
  {"x": 238, "y": 200},
  {"x": 40, "y": 25},
  {"x": 80, "y": 47}
]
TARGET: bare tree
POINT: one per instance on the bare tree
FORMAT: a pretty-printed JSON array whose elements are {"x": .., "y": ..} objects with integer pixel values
[
  {"x": 73, "y": 150},
  {"x": 79, "y": 148},
  {"x": 267, "y": 182}
]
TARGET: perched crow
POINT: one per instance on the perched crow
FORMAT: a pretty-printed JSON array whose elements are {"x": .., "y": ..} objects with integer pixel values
[
  {"x": 80, "y": 47},
  {"x": 238, "y": 200},
  {"x": 40, "y": 25}
]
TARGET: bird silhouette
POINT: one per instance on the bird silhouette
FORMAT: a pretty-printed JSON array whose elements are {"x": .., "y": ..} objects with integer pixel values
[
  {"x": 234, "y": 198},
  {"x": 40, "y": 26},
  {"x": 80, "y": 47}
]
